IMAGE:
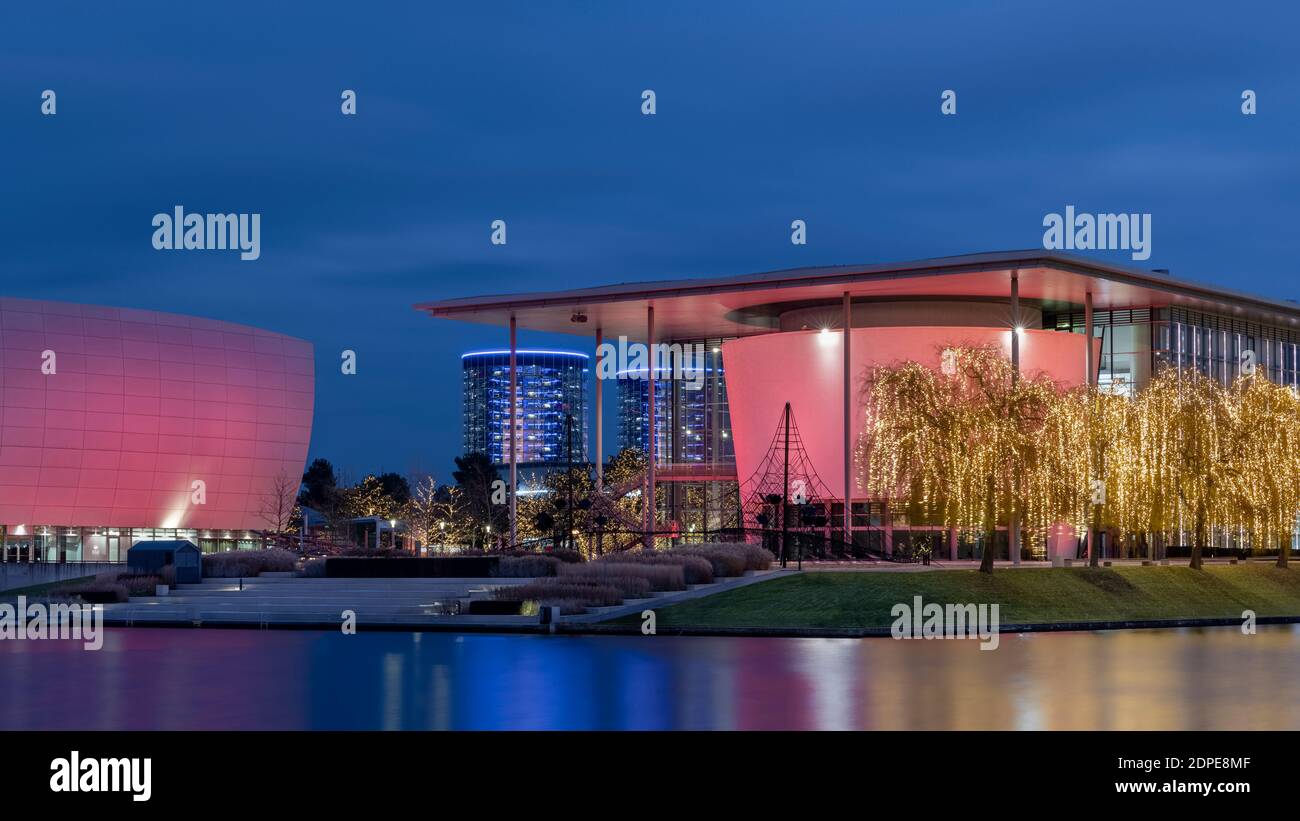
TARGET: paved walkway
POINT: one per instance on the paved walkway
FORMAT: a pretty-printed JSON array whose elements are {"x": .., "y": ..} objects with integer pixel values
[
  {"x": 414, "y": 604},
  {"x": 301, "y": 602}
]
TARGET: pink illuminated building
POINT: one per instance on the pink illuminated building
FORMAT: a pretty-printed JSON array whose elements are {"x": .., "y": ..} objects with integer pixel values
[
  {"x": 780, "y": 337},
  {"x": 118, "y": 425}
]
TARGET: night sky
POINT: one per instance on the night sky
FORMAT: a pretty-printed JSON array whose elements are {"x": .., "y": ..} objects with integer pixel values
[{"x": 531, "y": 113}]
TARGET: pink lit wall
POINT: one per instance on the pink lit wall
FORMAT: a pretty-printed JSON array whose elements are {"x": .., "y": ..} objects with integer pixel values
[
  {"x": 141, "y": 404},
  {"x": 806, "y": 368}
]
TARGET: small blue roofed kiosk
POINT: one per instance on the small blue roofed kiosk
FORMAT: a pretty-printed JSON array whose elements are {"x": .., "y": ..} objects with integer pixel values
[{"x": 153, "y": 556}]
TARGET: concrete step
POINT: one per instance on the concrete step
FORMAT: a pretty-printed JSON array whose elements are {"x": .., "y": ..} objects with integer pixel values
[{"x": 392, "y": 583}]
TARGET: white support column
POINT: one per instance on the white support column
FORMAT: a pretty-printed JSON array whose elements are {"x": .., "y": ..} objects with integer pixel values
[
  {"x": 1090, "y": 376},
  {"x": 514, "y": 412},
  {"x": 848, "y": 422},
  {"x": 600, "y": 415},
  {"x": 1013, "y": 529},
  {"x": 1016, "y": 324},
  {"x": 653, "y": 441}
]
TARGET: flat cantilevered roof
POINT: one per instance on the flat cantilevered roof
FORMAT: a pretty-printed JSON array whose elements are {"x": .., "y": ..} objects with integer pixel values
[{"x": 750, "y": 304}]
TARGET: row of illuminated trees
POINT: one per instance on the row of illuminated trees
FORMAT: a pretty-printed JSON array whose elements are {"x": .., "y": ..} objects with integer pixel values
[
  {"x": 976, "y": 446},
  {"x": 473, "y": 509}
]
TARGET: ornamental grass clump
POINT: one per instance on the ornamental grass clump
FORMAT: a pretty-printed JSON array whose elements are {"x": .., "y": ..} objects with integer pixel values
[
  {"x": 657, "y": 576},
  {"x": 755, "y": 557},
  {"x": 544, "y": 590},
  {"x": 245, "y": 563},
  {"x": 528, "y": 566},
  {"x": 139, "y": 584},
  {"x": 695, "y": 569},
  {"x": 727, "y": 560},
  {"x": 104, "y": 588}
]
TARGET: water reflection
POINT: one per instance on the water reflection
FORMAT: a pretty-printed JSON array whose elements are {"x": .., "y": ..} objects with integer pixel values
[{"x": 1212, "y": 678}]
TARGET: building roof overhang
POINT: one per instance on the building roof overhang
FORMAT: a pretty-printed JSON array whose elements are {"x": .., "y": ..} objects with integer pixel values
[{"x": 750, "y": 304}]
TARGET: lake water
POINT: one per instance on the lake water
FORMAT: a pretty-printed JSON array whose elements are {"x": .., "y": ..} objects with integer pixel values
[{"x": 1212, "y": 678}]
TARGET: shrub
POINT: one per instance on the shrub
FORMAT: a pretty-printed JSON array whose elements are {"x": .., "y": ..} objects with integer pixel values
[
  {"x": 752, "y": 556},
  {"x": 567, "y": 556},
  {"x": 363, "y": 551},
  {"x": 528, "y": 566},
  {"x": 244, "y": 563},
  {"x": 658, "y": 576},
  {"x": 313, "y": 569},
  {"x": 756, "y": 558},
  {"x": 545, "y": 590},
  {"x": 695, "y": 569},
  {"x": 104, "y": 588},
  {"x": 138, "y": 584},
  {"x": 726, "y": 560},
  {"x": 629, "y": 587}
]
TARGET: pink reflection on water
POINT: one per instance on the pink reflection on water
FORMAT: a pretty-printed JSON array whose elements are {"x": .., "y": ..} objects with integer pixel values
[{"x": 241, "y": 679}]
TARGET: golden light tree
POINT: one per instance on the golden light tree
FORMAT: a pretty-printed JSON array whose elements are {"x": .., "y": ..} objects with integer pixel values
[
  {"x": 1263, "y": 462},
  {"x": 973, "y": 449},
  {"x": 1197, "y": 420},
  {"x": 957, "y": 448},
  {"x": 1113, "y": 479}
]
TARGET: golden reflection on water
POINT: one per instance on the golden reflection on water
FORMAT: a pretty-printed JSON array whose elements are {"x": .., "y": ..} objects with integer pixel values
[
  {"x": 1211, "y": 679},
  {"x": 1215, "y": 679}
]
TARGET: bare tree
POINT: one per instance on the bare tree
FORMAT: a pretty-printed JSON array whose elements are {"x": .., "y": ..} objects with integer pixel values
[
  {"x": 429, "y": 509},
  {"x": 278, "y": 502}
]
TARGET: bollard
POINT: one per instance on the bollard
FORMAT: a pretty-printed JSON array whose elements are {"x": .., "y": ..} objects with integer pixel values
[{"x": 549, "y": 616}]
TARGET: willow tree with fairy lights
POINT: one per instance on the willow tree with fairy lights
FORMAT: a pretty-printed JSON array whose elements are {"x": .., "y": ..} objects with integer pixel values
[
  {"x": 1194, "y": 421},
  {"x": 973, "y": 448},
  {"x": 1108, "y": 425},
  {"x": 958, "y": 447},
  {"x": 1263, "y": 462}
]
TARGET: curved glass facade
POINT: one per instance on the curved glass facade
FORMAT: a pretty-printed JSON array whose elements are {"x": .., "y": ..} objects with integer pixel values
[
  {"x": 551, "y": 386},
  {"x": 692, "y": 423}
]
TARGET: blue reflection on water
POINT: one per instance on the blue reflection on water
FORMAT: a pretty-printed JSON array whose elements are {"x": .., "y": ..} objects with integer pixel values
[{"x": 240, "y": 679}]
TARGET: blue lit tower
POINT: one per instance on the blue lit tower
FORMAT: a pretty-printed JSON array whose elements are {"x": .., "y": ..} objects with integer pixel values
[
  {"x": 693, "y": 425},
  {"x": 550, "y": 384}
]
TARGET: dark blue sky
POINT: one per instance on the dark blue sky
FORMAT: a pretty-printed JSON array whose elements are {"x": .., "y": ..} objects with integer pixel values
[{"x": 530, "y": 112}]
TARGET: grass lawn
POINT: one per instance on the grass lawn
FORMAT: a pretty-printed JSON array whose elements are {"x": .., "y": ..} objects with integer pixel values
[{"x": 864, "y": 599}]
